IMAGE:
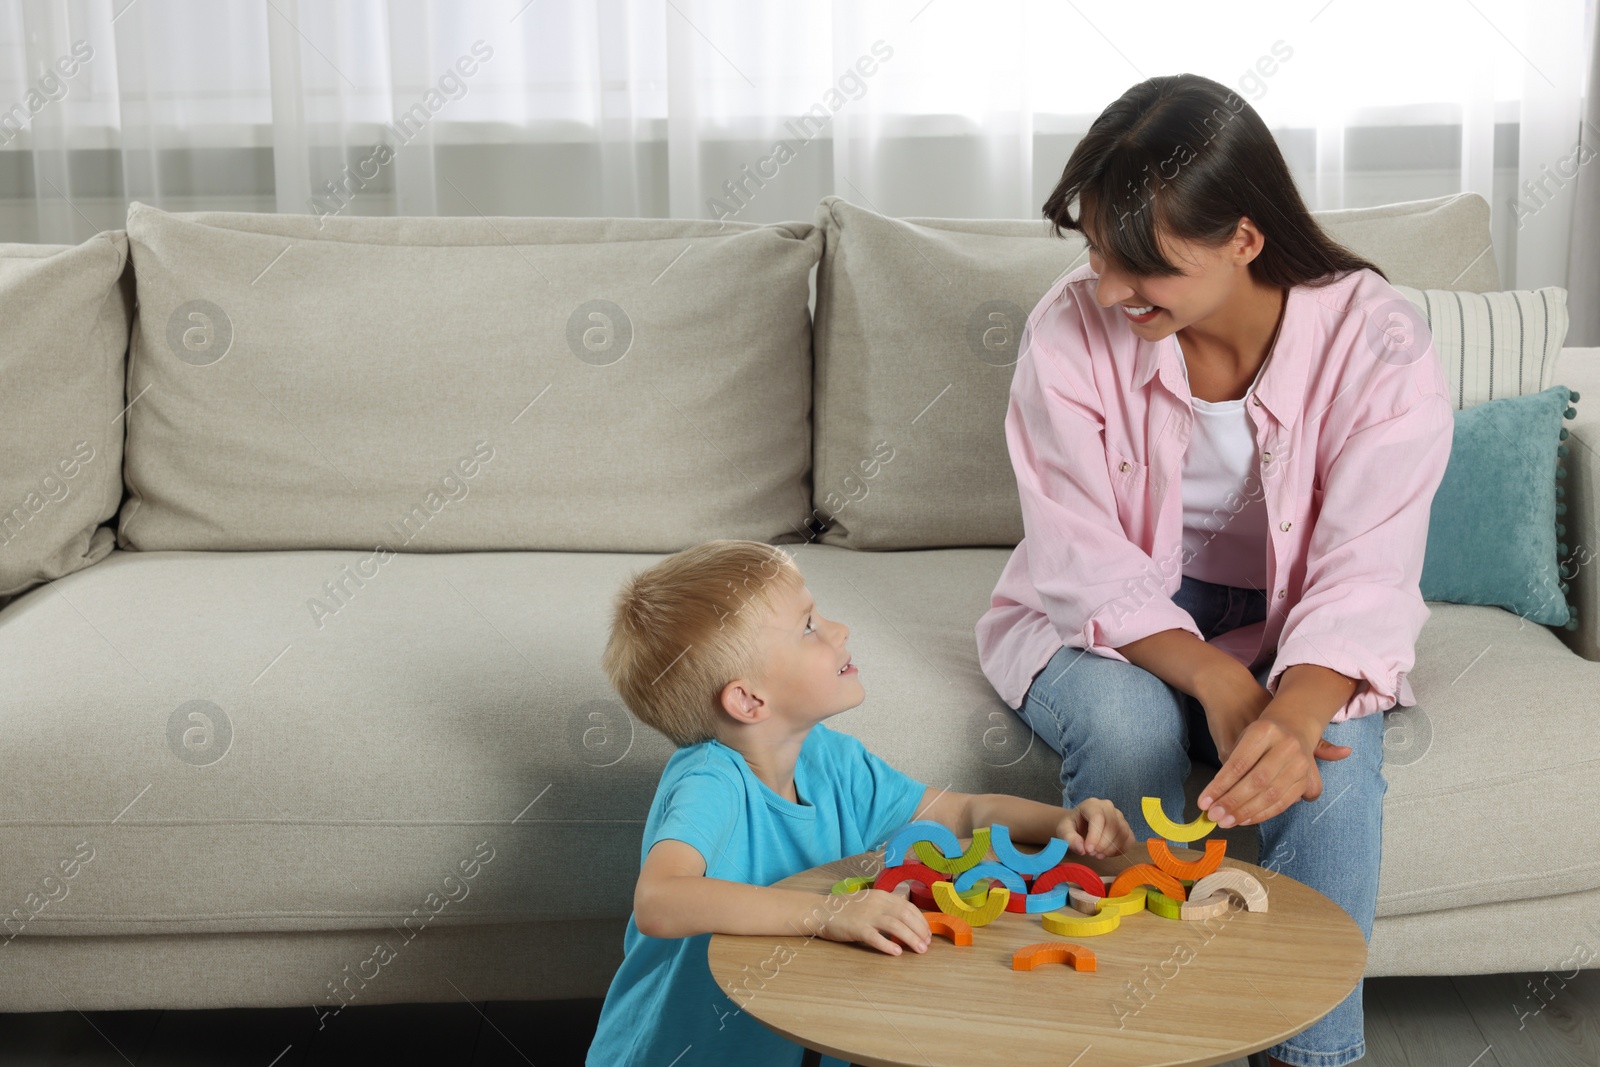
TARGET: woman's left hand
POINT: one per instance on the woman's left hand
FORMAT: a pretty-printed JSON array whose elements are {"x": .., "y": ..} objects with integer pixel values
[{"x": 1273, "y": 764}]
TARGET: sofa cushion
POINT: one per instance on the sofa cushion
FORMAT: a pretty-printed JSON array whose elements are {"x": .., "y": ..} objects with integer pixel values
[
  {"x": 234, "y": 767},
  {"x": 917, "y": 326},
  {"x": 450, "y": 384},
  {"x": 65, "y": 310},
  {"x": 1493, "y": 533},
  {"x": 1492, "y": 774},
  {"x": 1494, "y": 345}
]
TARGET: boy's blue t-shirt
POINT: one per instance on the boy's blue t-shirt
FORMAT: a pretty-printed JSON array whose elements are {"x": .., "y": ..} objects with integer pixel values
[{"x": 663, "y": 1006}]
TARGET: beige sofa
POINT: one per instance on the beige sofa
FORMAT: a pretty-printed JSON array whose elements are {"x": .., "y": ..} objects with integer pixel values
[{"x": 302, "y": 701}]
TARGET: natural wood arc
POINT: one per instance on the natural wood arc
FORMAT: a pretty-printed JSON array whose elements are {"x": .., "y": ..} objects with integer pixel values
[{"x": 1163, "y": 992}]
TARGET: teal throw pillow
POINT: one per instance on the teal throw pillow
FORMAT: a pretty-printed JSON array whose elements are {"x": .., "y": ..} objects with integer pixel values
[{"x": 1495, "y": 535}]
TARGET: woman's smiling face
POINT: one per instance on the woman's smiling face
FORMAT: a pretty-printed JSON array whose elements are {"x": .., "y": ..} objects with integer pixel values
[{"x": 1209, "y": 278}]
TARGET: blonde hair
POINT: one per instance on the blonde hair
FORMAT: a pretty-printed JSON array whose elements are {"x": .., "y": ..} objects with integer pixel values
[{"x": 687, "y": 626}]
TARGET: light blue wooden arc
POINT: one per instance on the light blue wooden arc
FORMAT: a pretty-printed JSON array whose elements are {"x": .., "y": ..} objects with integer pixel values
[
  {"x": 1001, "y": 873},
  {"x": 943, "y": 838},
  {"x": 1038, "y": 863}
]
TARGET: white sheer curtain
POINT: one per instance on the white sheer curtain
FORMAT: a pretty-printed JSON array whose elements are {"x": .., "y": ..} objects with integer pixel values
[{"x": 679, "y": 107}]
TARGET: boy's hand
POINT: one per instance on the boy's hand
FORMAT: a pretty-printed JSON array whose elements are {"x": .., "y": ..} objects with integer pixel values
[
  {"x": 868, "y": 914},
  {"x": 1096, "y": 828}
]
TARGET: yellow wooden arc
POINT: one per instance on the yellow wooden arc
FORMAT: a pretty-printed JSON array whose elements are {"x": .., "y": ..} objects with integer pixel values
[
  {"x": 1073, "y": 924},
  {"x": 1126, "y": 904},
  {"x": 944, "y": 894},
  {"x": 1170, "y": 830},
  {"x": 851, "y": 885}
]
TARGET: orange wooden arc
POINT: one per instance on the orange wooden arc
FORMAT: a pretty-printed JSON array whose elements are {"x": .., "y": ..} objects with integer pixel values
[
  {"x": 1147, "y": 874},
  {"x": 954, "y": 928},
  {"x": 1161, "y": 855},
  {"x": 1028, "y": 957}
]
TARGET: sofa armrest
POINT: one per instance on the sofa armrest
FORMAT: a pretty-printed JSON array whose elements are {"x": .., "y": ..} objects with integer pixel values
[{"x": 1579, "y": 370}]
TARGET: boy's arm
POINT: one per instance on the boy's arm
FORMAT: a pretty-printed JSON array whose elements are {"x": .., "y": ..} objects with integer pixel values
[{"x": 674, "y": 898}]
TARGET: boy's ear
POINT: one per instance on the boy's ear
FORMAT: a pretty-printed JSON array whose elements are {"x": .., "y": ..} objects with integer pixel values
[{"x": 740, "y": 701}]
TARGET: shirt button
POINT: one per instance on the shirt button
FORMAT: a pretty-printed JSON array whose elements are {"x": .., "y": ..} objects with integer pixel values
[
  {"x": 1124, "y": 465},
  {"x": 1286, "y": 526},
  {"x": 1256, "y": 400},
  {"x": 1266, "y": 457},
  {"x": 1281, "y": 593}
]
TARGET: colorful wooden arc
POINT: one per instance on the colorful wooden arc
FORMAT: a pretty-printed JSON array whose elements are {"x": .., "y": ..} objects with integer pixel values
[
  {"x": 930, "y": 855},
  {"x": 1233, "y": 880},
  {"x": 1072, "y": 924},
  {"x": 1147, "y": 874},
  {"x": 923, "y": 898},
  {"x": 1126, "y": 904},
  {"x": 890, "y": 877},
  {"x": 955, "y": 929},
  {"x": 1081, "y": 901},
  {"x": 1208, "y": 908},
  {"x": 1151, "y": 806},
  {"x": 852, "y": 885},
  {"x": 1028, "y": 957},
  {"x": 1037, "y": 863},
  {"x": 944, "y": 893},
  {"x": 1077, "y": 873},
  {"x": 1050, "y": 900},
  {"x": 1163, "y": 905},
  {"x": 1186, "y": 870},
  {"x": 943, "y": 838},
  {"x": 999, "y": 872}
]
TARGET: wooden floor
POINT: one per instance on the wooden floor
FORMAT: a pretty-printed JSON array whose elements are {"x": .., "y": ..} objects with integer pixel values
[{"x": 1475, "y": 1021}]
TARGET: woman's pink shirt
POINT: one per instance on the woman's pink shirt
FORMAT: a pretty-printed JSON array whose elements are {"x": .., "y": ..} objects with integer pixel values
[{"x": 1353, "y": 421}]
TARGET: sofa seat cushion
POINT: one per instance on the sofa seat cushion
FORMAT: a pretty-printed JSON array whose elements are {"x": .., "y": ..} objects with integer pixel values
[
  {"x": 452, "y": 708},
  {"x": 443, "y": 748},
  {"x": 1494, "y": 775}
]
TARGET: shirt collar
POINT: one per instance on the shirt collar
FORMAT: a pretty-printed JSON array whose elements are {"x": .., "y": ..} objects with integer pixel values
[{"x": 1281, "y": 387}]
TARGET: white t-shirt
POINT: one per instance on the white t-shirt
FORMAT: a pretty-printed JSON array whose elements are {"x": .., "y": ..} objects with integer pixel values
[{"x": 1224, "y": 507}]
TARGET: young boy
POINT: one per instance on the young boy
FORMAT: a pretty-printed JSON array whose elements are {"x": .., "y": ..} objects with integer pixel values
[{"x": 721, "y": 648}]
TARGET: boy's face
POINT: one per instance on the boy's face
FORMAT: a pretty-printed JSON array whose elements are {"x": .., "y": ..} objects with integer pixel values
[{"x": 801, "y": 680}]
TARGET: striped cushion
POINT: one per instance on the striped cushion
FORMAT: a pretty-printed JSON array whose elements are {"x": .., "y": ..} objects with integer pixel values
[{"x": 1494, "y": 344}]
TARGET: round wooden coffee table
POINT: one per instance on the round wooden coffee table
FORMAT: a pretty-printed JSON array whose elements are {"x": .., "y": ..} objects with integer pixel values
[{"x": 1165, "y": 991}]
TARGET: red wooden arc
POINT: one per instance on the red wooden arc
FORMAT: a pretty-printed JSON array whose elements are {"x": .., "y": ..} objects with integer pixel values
[
  {"x": 908, "y": 872},
  {"x": 1078, "y": 874}
]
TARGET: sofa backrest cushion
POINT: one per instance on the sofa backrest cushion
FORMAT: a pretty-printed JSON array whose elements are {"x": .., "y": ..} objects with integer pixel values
[
  {"x": 917, "y": 326},
  {"x": 454, "y": 384},
  {"x": 64, "y": 314}
]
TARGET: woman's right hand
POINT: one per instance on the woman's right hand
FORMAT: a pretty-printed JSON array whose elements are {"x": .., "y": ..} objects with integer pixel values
[
  {"x": 1231, "y": 703},
  {"x": 1236, "y": 700},
  {"x": 867, "y": 915}
]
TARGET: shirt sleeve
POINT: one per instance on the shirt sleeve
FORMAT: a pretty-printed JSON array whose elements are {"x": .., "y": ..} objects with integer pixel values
[
  {"x": 886, "y": 798},
  {"x": 701, "y": 809},
  {"x": 1361, "y": 608},
  {"x": 1098, "y": 588}
]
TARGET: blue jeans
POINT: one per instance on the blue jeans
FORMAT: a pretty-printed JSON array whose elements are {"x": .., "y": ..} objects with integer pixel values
[{"x": 1124, "y": 734}]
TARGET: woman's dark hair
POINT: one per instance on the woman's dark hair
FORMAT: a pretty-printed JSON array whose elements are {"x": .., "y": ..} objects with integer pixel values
[{"x": 1188, "y": 154}]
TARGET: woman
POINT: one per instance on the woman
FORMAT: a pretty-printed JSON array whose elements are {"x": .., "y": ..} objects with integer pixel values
[{"x": 1225, "y": 502}]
